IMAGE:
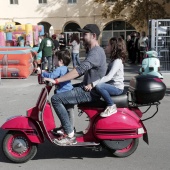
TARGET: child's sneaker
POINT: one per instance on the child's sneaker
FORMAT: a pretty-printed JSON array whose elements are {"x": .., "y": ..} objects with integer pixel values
[
  {"x": 60, "y": 131},
  {"x": 109, "y": 111},
  {"x": 65, "y": 140}
]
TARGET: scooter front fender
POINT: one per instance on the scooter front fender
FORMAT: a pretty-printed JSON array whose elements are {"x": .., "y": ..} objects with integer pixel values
[{"x": 28, "y": 126}]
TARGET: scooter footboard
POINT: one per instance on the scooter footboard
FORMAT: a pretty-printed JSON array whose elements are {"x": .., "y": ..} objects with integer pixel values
[{"x": 23, "y": 124}]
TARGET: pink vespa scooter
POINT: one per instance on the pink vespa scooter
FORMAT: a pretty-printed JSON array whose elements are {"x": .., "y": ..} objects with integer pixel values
[{"x": 118, "y": 133}]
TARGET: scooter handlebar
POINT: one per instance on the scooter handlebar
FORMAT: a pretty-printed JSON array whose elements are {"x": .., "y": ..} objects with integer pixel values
[
  {"x": 40, "y": 79},
  {"x": 48, "y": 83}
]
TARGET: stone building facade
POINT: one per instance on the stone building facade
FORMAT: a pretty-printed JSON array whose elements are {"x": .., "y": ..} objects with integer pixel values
[{"x": 62, "y": 16}]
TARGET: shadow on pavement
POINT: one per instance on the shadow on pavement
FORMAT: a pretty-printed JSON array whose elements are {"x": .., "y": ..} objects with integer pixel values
[{"x": 48, "y": 150}]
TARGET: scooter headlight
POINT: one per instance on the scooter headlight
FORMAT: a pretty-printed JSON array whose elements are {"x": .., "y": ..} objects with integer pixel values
[{"x": 141, "y": 131}]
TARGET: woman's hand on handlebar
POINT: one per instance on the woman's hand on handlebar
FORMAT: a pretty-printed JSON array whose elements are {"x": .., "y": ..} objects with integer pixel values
[{"x": 88, "y": 87}]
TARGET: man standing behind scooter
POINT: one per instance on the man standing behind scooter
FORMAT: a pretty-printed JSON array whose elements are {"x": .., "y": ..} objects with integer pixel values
[{"x": 93, "y": 68}]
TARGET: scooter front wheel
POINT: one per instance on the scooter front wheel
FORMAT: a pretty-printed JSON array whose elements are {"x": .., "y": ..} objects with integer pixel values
[
  {"x": 125, "y": 151},
  {"x": 18, "y": 148}
]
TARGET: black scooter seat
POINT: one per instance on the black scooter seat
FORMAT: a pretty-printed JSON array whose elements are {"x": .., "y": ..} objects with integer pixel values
[{"x": 121, "y": 101}]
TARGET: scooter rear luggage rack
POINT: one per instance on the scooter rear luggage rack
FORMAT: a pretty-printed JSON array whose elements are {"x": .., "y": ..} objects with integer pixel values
[{"x": 133, "y": 104}]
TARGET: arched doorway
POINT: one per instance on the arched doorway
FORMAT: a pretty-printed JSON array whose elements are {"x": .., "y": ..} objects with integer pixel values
[
  {"x": 46, "y": 26},
  {"x": 115, "y": 29},
  {"x": 69, "y": 29}
]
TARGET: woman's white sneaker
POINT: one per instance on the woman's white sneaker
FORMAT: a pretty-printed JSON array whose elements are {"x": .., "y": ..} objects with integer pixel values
[{"x": 109, "y": 111}]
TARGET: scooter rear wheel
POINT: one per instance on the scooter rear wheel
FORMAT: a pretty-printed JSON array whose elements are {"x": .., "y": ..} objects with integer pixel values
[
  {"x": 18, "y": 148},
  {"x": 127, "y": 151}
]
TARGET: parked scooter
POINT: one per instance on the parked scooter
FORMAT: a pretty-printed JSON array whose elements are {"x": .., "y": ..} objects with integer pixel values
[
  {"x": 118, "y": 133},
  {"x": 151, "y": 65}
]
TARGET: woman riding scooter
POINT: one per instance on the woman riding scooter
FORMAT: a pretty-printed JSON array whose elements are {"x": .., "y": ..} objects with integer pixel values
[{"x": 112, "y": 83}]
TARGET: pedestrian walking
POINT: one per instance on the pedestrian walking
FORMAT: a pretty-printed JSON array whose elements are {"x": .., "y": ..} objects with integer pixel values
[
  {"x": 46, "y": 47},
  {"x": 75, "y": 43}
]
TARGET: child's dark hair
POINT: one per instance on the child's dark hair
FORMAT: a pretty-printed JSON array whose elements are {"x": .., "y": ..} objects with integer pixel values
[{"x": 64, "y": 55}]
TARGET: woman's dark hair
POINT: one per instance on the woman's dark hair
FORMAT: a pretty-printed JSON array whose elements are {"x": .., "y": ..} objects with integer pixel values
[
  {"x": 118, "y": 49},
  {"x": 64, "y": 55},
  {"x": 113, "y": 43},
  {"x": 75, "y": 37}
]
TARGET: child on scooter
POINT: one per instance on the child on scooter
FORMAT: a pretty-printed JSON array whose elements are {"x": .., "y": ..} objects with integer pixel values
[
  {"x": 112, "y": 83},
  {"x": 61, "y": 61}
]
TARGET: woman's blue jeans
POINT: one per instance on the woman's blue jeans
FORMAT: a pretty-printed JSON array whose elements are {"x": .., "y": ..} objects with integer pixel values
[
  {"x": 75, "y": 59},
  {"x": 72, "y": 97},
  {"x": 106, "y": 91}
]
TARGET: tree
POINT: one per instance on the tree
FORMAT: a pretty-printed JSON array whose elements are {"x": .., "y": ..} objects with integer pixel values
[{"x": 140, "y": 11}]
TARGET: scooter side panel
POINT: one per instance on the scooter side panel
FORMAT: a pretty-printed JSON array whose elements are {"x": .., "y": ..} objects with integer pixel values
[
  {"x": 25, "y": 125},
  {"x": 48, "y": 122},
  {"x": 48, "y": 118},
  {"x": 118, "y": 126}
]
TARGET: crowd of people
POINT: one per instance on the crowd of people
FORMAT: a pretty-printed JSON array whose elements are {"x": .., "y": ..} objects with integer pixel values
[
  {"x": 50, "y": 45},
  {"x": 137, "y": 45}
]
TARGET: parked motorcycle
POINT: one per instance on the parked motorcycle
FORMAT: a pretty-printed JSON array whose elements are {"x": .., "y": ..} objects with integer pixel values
[
  {"x": 151, "y": 65},
  {"x": 119, "y": 133}
]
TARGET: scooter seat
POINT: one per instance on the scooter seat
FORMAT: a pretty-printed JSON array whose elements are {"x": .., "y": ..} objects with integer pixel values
[{"x": 121, "y": 101}]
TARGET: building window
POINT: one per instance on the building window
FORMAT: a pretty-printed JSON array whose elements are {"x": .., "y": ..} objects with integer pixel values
[
  {"x": 13, "y": 1},
  {"x": 42, "y": 1},
  {"x": 72, "y": 1},
  {"x": 116, "y": 29}
]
